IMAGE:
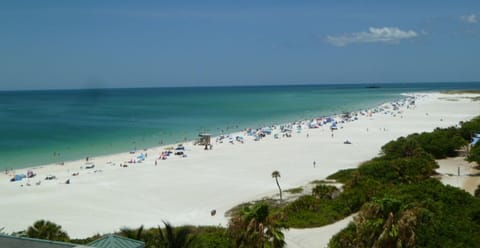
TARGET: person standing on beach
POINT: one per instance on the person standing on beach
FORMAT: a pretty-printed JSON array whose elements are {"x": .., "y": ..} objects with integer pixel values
[{"x": 314, "y": 163}]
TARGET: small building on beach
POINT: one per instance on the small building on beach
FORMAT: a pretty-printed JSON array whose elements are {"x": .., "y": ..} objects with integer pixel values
[{"x": 204, "y": 139}]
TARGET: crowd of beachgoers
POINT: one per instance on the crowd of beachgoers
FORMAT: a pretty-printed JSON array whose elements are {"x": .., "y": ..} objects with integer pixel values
[
  {"x": 183, "y": 183},
  {"x": 277, "y": 131}
]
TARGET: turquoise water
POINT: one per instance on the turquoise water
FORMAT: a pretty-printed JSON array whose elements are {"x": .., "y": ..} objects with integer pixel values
[{"x": 39, "y": 127}]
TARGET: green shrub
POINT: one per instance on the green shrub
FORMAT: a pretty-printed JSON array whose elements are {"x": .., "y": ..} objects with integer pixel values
[
  {"x": 342, "y": 176},
  {"x": 423, "y": 214},
  {"x": 345, "y": 238},
  {"x": 400, "y": 148},
  {"x": 297, "y": 190},
  {"x": 474, "y": 155},
  {"x": 441, "y": 143},
  {"x": 400, "y": 169},
  {"x": 469, "y": 128},
  {"x": 399, "y": 204},
  {"x": 211, "y": 237},
  {"x": 322, "y": 191},
  {"x": 477, "y": 191},
  {"x": 44, "y": 229}
]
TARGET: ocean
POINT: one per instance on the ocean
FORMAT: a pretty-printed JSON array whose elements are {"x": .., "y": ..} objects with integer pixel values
[{"x": 51, "y": 126}]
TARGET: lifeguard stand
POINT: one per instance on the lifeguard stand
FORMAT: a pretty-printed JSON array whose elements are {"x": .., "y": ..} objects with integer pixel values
[{"x": 204, "y": 140}]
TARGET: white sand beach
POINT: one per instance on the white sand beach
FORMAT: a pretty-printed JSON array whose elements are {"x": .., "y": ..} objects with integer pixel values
[{"x": 183, "y": 190}]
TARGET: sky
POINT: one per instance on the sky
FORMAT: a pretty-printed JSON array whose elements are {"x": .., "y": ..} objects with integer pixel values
[{"x": 117, "y": 44}]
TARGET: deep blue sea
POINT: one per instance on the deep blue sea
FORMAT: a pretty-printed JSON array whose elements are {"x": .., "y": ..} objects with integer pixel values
[{"x": 39, "y": 127}]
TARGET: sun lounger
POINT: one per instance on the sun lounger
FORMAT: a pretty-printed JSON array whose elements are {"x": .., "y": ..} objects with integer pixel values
[{"x": 50, "y": 177}]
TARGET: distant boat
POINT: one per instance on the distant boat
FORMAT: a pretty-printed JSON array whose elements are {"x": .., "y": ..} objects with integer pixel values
[{"x": 372, "y": 86}]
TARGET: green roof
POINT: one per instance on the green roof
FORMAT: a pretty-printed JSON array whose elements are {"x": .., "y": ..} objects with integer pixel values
[
  {"x": 115, "y": 241},
  {"x": 20, "y": 242}
]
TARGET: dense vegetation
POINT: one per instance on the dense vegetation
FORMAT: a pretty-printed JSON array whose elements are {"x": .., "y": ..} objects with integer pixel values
[
  {"x": 424, "y": 214},
  {"x": 408, "y": 208},
  {"x": 256, "y": 226},
  {"x": 43, "y": 229},
  {"x": 398, "y": 204},
  {"x": 468, "y": 130}
]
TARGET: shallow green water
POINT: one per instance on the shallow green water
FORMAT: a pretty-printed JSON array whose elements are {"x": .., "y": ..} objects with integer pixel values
[{"x": 39, "y": 127}]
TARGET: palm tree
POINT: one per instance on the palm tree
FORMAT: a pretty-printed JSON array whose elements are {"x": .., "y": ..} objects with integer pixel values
[
  {"x": 254, "y": 226},
  {"x": 276, "y": 175},
  {"x": 180, "y": 238},
  {"x": 383, "y": 223},
  {"x": 132, "y": 233},
  {"x": 47, "y": 230}
]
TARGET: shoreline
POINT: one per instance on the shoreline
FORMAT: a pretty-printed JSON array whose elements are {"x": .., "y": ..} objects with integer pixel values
[
  {"x": 185, "y": 190},
  {"x": 184, "y": 140},
  {"x": 402, "y": 97},
  {"x": 120, "y": 134}
]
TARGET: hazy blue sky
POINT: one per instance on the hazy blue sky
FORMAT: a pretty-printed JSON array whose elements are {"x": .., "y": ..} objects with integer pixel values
[{"x": 78, "y": 44}]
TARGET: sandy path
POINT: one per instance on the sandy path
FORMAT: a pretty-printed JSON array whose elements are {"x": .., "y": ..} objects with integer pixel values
[
  {"x": 459, "y": 173},
  {"x": 315, "y": 237}
]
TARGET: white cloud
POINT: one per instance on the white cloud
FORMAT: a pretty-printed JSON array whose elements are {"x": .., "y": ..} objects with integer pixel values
[
  {"x": 472, "y": 19},
  {"x": 385, "y": 34}
]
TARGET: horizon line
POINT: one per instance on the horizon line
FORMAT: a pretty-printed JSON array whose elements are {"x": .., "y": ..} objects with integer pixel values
[{"x": 234, "y": 86}]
